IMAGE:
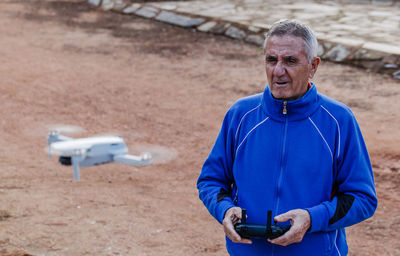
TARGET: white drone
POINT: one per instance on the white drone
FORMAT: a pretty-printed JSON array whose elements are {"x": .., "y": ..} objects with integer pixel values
[{"x": 92, "y": 151}]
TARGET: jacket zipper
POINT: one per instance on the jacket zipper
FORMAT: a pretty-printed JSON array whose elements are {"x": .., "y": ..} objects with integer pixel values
[
  {"x": 283, "y": 158},
  {"x": 284, "y": 110}
]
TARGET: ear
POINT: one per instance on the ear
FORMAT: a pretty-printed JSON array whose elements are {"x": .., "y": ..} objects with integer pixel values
[{"x": 314, "y": 66}]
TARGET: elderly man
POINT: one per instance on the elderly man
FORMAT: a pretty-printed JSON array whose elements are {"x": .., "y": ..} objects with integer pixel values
[{"x": 293, "y": 151}]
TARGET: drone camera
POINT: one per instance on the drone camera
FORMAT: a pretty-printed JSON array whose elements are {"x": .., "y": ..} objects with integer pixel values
[{"x": 65, "y": 160}]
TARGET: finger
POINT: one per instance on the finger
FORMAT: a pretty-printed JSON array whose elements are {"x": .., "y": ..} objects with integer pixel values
[
  {"x": 232, "y": 216},
  {"x": 296, "y": 232},
  {"x": 283, "y": 217},
  {"x": 245, "y": 241},
  {"x": 285, "y": 239},
  {"x": 234, "y": 236},
  {"x": 294, "y": 235},
  {"x": 230, "y": 231},
  {"x": 282, "y": 240}
]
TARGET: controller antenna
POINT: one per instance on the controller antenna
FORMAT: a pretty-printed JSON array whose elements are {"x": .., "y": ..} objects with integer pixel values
[
  {"x": 244, "y": 216},
  {"x": 269, "y": 222}
]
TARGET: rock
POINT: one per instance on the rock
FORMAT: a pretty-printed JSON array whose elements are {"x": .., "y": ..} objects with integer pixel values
[
  {"x": 374, "y": 65},
  {"x": 131, "y": 9},
  {"x": 358, "y": 1},
  {"x": 382, "y": 47},
  {"x": 118, "y": 6},
  {"x": 382, "y": 2},
  {"x": 94, "y": 2},
  {"x": 392, "y": 59},
  {"x": 168, "y": 6},
  {"x": 179, "y": 20},
  {"x": 320, "y": 51},
  {"x": 107, "y": 5},
  {"x": 364, "y": 54},
  {"x": 327, "y": 45},
  {"x": 264, "y": 26},
  {"x": 396, "y": 75},
  {"x": 206, "y": 27},
  {"x": 147, "y": 12},
  {"x": 235, "y": 33},
  {"x": 338, "y": 53},
  {"x": 220, "y": 29},
  {"x": 351, "y": 42},
  {"x": 255, "y": 39},
  {"x": 391, "y": 66},
  {"x": 254, "y": 29}
]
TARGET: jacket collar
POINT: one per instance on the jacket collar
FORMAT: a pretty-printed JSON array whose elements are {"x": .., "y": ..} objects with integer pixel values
[{"x": 296, "y": 110}]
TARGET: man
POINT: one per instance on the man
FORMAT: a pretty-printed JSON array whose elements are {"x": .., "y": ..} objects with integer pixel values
[{"x": 293, "y": 151}]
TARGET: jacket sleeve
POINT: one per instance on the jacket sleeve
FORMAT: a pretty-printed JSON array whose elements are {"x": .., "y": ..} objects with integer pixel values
[
  {"x": 355, "y": 198},
  {"x": 216, "y": 179}
]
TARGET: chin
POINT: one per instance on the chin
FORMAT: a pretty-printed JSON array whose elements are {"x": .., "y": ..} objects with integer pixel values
[{"x": 279, "y": 94}]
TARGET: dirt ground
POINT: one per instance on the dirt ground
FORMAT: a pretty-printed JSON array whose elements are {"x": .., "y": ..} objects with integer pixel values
[{"x": 164, "y": 89}]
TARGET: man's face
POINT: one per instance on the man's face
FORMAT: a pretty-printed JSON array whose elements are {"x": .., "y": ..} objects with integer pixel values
[{"x": 287, "y": 68}]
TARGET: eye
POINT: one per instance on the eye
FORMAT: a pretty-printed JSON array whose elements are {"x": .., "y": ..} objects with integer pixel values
[
  {"x": 291, "y": 60},
  {"x": 271, "y": 59}
]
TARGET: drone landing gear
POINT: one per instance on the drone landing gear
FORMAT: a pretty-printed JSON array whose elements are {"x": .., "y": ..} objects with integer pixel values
[{"x": 67, "y": 160}]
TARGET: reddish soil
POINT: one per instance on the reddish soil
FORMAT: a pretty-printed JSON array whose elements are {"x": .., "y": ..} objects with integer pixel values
[{"x": 160, "y": 87}]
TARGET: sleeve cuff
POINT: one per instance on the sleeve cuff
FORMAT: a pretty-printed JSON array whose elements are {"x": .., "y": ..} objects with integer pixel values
[
  {"x": 221, "y": 208},
  {"x": 319, "y": 217}
]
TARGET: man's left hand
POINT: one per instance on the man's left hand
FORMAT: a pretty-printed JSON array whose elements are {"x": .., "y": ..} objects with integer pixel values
[{"x": 300, "y": 221}]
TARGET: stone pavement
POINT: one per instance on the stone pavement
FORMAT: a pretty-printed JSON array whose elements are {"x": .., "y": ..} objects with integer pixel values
[{"x": 364, "y": 33}]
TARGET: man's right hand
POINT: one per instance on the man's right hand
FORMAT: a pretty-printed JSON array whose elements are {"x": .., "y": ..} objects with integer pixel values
[{"x": 232, "y": 216}]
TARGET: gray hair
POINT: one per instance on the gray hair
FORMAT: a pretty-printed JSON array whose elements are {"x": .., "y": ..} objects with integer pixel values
[{"x": 295, "y": 28}]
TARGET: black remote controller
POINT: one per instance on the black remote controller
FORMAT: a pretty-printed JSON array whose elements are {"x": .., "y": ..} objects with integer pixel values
[{"x": 260, "y": 231}]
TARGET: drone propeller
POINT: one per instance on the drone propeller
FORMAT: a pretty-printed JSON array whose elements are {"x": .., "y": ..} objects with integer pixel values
[
  {"x": 65, "y": 129},
  {"x": 55, "y": 134},
  {"x": 158, "y": 154}
]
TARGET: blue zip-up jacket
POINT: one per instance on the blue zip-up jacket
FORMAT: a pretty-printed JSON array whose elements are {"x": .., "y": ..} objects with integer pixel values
[{"x": 276, "y": 155}]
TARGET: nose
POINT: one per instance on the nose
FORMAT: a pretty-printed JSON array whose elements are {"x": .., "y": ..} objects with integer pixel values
[{"x": 279, "y": 69}]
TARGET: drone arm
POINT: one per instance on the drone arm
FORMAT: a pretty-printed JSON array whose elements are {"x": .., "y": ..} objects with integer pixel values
[
  {"x": 55, "y": 137},
  {"x": 143, "y": 159}
]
